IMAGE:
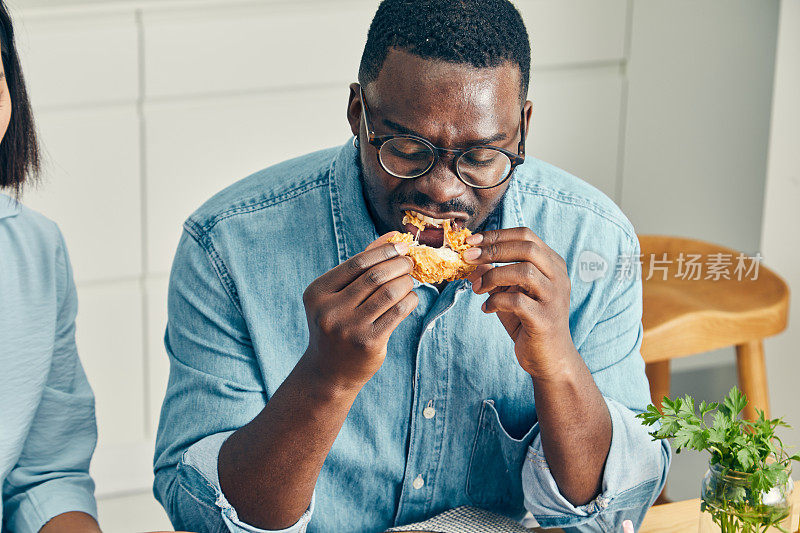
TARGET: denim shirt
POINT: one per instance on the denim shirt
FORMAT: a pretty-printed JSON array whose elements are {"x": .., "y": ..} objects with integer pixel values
[
  {"x": 449, "y": 419},
  {"x": 47, "y": 422}
]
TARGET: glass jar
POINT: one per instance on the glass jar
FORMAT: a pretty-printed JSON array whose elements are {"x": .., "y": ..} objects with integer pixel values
[{"x": 729, "y": 505}]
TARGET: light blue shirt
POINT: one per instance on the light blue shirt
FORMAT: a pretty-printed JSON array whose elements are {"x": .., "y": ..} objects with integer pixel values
[
  {"x": 47, "y": 422},
  {"x": 237, "y": 327}
]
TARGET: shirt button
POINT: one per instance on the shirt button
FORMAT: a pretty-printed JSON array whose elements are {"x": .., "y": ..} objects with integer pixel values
[
  {"x": 429, "y": 412},
  {"x": 418, "y": 482}
]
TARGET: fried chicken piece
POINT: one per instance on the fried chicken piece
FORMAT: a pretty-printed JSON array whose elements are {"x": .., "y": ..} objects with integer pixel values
[
  {"x": 411, "y": 219},
  {"x": 435, "y": 265}
]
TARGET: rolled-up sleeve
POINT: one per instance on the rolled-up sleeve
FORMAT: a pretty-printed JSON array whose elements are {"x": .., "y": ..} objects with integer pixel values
[
  {"x": 197, "y": 474},
  {"x": 636, "y": 466},
  {"x": 51, "y": 476},
  {"x": 214, "y": 388}
]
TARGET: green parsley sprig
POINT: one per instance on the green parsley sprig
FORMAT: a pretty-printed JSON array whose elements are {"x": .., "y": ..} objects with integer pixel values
[
  {"x": 743, "y": 446},
  {"x": 750, "y": 449}
]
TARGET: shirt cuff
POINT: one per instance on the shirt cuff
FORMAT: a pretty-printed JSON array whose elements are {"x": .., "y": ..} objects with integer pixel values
[
  {"x": 202, "y": 457},
  {"x": 633, "y": 476},
  {"x": 44, "y": 502}
]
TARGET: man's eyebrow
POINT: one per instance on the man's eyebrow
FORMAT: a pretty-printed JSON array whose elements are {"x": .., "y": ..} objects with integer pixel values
[
  {"x": 2, "y": 74},
  {"x": 470, "y": 142}
]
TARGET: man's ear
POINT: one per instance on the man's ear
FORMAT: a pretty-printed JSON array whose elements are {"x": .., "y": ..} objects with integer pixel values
[
  {"x": 354, "y": 109},
  {"x": 528, "y": 114}
]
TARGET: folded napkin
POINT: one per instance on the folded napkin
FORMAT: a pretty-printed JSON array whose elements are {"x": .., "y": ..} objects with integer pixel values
[{"x": 466, "y": 520}]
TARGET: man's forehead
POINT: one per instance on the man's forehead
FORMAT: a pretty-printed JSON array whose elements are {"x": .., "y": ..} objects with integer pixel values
[
  {"x": 452, "y": 102},
  {"x": 410, "y": 78}
]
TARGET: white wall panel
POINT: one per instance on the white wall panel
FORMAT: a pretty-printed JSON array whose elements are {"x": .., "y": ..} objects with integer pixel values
[
  {"x": 122, "y": 469},
  {"x": 86, "y": 58},
  {"x": 700, "y": 86},
  {"x": 575, "y": 123},
  {"x": 196, "y": 148},
  {"x": 157, "y": 361},
  {"x": 565, "y": 32},
  {"x": 254, "y": 47},
  {"x": 91, "y": 187},
  {"x": 220, "y": 49},
  {"x": 132, "y": 512},
  {"x": 110, "y": 344}
]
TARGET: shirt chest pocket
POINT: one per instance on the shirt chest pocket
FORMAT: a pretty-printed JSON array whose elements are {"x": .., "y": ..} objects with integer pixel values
[{"x": 494, "y": 479}]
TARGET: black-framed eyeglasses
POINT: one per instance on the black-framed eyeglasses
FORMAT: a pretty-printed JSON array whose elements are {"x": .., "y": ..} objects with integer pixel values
[{"x": 409, "y": 156}]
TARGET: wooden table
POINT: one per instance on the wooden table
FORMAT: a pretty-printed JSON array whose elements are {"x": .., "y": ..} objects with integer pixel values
[
  {"x": 684, "y": 517},
  {"x": 680, "y": 517}
]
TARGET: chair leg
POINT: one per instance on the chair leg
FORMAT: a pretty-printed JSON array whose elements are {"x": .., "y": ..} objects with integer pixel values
[
  {"x": 658, "y": 376},
  {"x": 753, "y": 377}
]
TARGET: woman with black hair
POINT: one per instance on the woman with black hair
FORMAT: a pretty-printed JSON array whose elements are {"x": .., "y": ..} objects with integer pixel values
[{"x": 47, "y": 421}]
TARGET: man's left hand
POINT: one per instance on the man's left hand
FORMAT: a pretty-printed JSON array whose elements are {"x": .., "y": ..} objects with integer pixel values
[{"x": 530, "y": 295}]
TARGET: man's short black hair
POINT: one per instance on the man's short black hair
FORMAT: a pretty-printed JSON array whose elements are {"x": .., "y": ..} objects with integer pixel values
[
  {"x": 19, "y": 150},
  {"x": 481, "y": 33}
]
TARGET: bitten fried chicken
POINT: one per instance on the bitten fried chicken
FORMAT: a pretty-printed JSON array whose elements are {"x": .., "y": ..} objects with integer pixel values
[{"x": 435, "y": 265}]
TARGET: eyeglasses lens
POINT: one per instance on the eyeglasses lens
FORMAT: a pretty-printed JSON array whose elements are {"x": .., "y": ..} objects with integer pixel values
[
  {"x": 483, "y": 167},
  {"x": 408, "y": 158}
]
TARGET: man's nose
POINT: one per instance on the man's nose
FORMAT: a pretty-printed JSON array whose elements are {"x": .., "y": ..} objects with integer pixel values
[{"x": 441, "y": 183}]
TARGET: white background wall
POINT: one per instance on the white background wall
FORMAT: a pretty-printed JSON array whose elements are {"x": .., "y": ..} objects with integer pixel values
[{"x": 146, "y": 108}]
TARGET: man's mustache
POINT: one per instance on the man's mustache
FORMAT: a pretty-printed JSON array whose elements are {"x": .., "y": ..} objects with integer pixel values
[{"x": 423, "y": 202}]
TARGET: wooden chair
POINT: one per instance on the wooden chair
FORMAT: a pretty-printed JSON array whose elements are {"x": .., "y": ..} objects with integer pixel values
[{"x": 682, "y": 317}]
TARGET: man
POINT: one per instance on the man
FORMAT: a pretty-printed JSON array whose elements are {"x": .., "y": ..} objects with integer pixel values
[{"x": 315, "y": 386}]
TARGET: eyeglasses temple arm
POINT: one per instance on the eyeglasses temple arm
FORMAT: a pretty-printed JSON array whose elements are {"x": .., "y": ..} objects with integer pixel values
[
  {"x": 521, "y": 146},
  {"x": 370, "y": 134}
]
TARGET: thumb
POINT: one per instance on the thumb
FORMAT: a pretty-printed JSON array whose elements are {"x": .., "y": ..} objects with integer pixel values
[{"x": 383, "y": 239}]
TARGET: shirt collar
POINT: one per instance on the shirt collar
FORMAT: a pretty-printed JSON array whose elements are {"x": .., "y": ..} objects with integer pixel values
[
  {"x": 352, "y": 222},
  {"x": 353, "y": 226},
  {"x": 8, "y": 206}
]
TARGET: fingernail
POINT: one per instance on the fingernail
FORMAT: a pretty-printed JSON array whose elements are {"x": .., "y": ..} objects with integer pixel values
[
  {"x": 401, "y": 247},
  {"x": 476, "y": 285},
  {"x": 475, "y": 239},
  {"x": 472, "y": 254}
]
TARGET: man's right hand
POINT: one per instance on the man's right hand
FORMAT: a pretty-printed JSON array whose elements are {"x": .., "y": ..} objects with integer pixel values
[{"x": 353, "y": 309}]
